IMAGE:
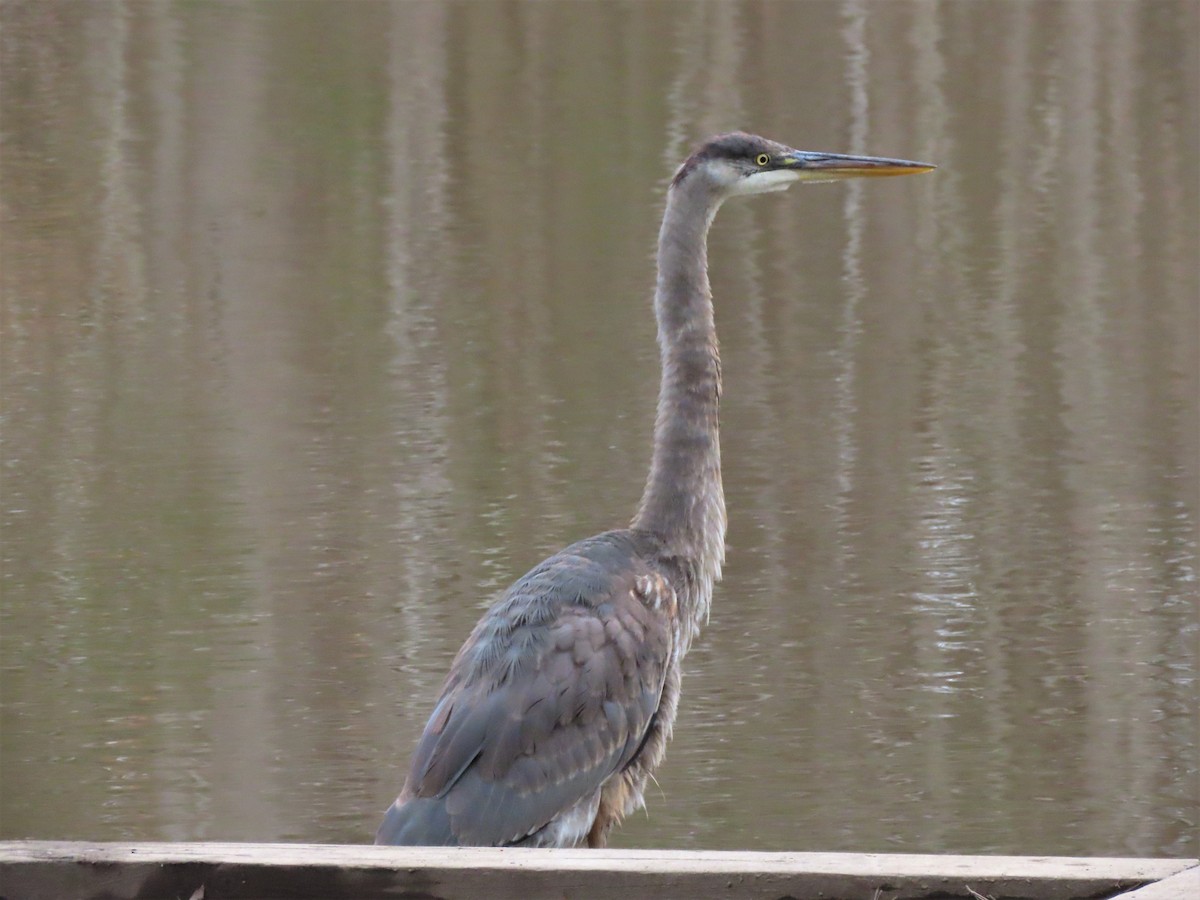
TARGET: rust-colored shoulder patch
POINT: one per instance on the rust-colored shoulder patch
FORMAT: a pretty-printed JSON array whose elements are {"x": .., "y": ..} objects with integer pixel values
[{"x": 657, "y": 593}]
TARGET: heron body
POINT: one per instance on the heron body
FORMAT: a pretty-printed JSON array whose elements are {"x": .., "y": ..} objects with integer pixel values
[{"x": 559, "y": 706}]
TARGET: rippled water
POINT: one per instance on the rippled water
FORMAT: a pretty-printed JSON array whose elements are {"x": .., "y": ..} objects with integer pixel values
[{"x": 321, "y": 323}]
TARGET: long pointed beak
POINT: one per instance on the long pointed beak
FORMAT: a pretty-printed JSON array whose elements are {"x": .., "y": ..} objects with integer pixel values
[{"x": 835, "y": 166}]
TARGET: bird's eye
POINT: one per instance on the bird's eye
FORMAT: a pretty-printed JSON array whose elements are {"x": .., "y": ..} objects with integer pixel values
[{"x": 762, "y": 159}]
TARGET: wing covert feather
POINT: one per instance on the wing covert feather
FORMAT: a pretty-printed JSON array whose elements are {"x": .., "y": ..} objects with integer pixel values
[{"x": 518, "y": 738}]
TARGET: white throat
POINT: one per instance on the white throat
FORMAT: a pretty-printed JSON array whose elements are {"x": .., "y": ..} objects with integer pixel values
[{"x": 766, "y": 182}]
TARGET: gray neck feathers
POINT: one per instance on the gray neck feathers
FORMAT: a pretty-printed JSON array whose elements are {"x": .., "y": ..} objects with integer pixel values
[{"x": 684, "y": 502}]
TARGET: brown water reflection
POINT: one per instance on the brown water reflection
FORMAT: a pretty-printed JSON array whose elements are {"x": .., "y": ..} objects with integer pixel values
[{"x": 321, "y": 323}]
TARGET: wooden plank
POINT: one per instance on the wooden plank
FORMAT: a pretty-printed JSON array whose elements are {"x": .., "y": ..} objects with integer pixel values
[
  {"x": 1183, "y": 886},
  {"x": 51, "y": 870}
]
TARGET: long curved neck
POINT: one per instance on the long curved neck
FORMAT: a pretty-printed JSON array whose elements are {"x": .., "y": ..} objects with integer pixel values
[{"x": 684, "y": 502}]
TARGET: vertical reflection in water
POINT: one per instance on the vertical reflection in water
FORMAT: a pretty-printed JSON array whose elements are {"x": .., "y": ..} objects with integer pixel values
[
  {"x": 1028, "y": 598},
  {"x": 1002, "y": 463},
  {"x": 115, "y": 400},
  {"x": 407, "y": 592},
  {"x": 505, "y": 197},
  {"x": 1077, "y": 349},
  {"x": 1108, "y": 355},
  {"x": 75, "y": 364},
  {"x": 688, "y": 40},
  {"x": 1029, "y": 163},
  {"x": 225, "y": 250},
  {"x": 120, "y": 265},
  {"x": 721, "y": 97},
  {"x": 532, "y": 405},
  {"x": 167, "y": 202},
  {"x": 1017, "y": 214},
  {"x": 54, "y": 316},
  {"x": 705, "y": 95},
  {"x": 182, "y": 335},
  {"x": 1095, "y": 504},
  {"x": 850, "y": 330},
  {"x": 1169, "y": 134},
  {"x": 840, "y": 621},
  {"x": 944, "y": 603}
]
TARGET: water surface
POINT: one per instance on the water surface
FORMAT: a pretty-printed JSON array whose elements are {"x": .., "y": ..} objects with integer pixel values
[{"x": 322, "y": 323}]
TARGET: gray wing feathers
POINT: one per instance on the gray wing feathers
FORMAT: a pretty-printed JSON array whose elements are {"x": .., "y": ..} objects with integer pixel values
[
  {"x": 516, "y": 741},
  {"x": 416, "y": 822}
]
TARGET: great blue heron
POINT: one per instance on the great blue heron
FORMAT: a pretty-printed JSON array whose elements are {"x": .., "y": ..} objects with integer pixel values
[{"x": 560, "y": 704}]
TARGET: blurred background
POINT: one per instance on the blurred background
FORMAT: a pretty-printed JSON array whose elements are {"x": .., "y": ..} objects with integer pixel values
[{"x": 322, "y": 322}]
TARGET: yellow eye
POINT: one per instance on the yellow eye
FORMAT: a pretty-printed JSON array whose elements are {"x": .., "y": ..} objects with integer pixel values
[{"x": 762, "y": 159}]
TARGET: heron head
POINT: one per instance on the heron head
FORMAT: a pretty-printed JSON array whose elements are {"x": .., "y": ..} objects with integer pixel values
[{"x": 740, "y": 163}]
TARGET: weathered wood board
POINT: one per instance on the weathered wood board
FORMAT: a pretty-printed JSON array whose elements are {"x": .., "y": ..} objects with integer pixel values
[
  {"x": 53, "y": 870},
  {"x": 1183, "y": 886}
]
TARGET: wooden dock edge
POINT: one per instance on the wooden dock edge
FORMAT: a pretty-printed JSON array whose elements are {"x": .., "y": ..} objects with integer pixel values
[{"x": 60, "y": 870}]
